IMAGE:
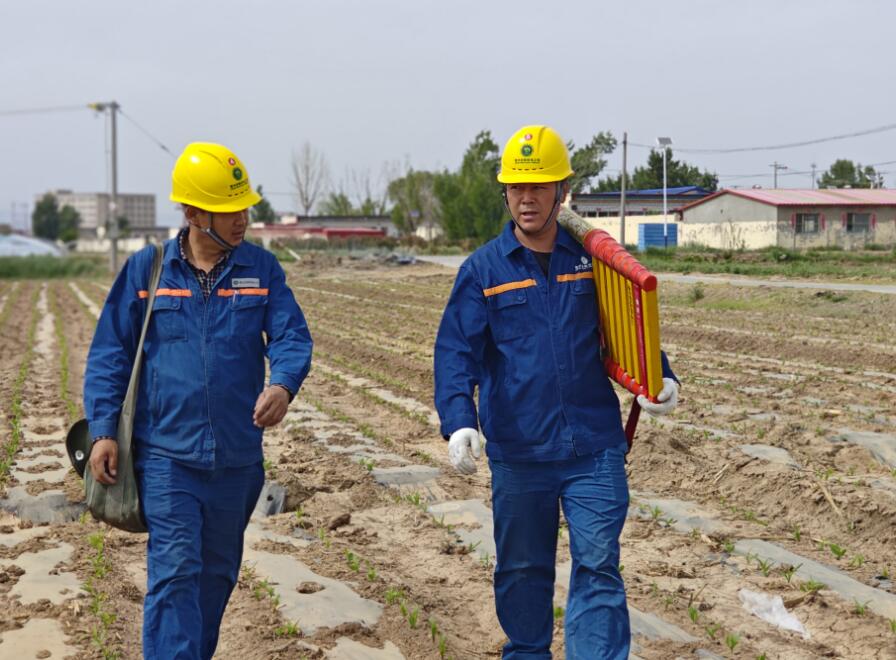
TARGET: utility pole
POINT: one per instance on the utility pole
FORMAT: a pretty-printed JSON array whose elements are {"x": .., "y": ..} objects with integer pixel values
[
  {"x": 813, "y": 175},
  {"x": 622, "y": 195},
  {"x": 777, "y": 167},
  {"x": 112, "y": 107}
]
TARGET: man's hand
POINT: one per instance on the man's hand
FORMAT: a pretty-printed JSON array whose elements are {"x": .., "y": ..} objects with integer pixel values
[
  {"x": 667, "y": 398},
  {"x": 271, "y": 406},
  {"x": 104, "y": 461},
  {"x": 462, "y": 443}
]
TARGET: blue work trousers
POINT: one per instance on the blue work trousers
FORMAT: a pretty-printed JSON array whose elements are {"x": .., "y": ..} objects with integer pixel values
[
  {"x": 526, "y": 499},
  {"x": 196, "y": 520}
]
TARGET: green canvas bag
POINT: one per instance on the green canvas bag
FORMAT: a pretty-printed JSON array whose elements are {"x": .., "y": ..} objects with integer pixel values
[{"x": 118, "y": 504}]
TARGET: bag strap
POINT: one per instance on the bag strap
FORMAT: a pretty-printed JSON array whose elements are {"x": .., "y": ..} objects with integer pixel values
[{"x": 130, "y": 398}]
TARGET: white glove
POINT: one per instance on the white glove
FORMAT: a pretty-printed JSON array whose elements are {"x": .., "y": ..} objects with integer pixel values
[
  {"x": 461, "y": 444},
  {"x": 667, "y": 398}
]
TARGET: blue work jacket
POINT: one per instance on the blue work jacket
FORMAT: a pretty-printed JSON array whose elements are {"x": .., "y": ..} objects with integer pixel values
[
  {"x": 532, "y": 345},
  {"x": 203, "y": 365}
]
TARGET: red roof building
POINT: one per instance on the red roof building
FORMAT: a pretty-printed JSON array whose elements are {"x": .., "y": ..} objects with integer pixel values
[{"x": 792, "y": 218}]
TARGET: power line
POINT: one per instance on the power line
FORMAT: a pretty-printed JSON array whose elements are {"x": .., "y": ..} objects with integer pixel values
[
  {"x": 35, "y": 111},
  {"x": 146, "y": 133},
  {"x": 788, "y": 145}
]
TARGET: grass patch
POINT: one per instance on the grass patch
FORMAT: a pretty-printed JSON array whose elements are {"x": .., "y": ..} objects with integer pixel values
[
  {"x": 830, "y": 263},
  {"x": 45, "y": 267}
]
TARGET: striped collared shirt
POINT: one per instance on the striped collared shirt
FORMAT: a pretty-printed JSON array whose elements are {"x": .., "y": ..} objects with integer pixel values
[{"x": 206, "y": 280}]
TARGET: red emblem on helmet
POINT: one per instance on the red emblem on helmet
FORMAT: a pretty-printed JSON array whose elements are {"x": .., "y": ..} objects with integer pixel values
[{"x": 231, "y": 161}]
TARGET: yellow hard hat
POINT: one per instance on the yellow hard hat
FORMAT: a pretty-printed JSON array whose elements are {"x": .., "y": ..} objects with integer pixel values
[
  {"x": 210, "y": 177},
  {"x": 535, "y": 154}
]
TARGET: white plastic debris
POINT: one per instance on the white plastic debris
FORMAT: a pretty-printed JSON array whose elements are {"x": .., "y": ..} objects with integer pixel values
[{"x": 771, "y": 609}]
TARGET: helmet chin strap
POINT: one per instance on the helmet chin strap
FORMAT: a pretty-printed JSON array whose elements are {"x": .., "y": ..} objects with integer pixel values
[
  {"x": 215, "y": 236},
  {"x": 558, "y": 199}
]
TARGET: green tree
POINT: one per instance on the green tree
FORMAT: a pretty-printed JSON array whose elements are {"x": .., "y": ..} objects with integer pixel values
[
  {"x": 650, "y": 176},
  {"x": 263, "y": 211},
  {"x": 470, "y": 199},
  {"x": 588, "y": 161},
  {"x": 414, "y": 201},
  {"x": 69, "y": 221},
  {"x": 337, "y": 203},
  {"x": 45, "y": 218},
  {"x": 846, "y": 174}
]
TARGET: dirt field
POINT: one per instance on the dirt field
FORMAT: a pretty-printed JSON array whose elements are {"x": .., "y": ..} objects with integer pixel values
[{"x": 777, "y": 474}]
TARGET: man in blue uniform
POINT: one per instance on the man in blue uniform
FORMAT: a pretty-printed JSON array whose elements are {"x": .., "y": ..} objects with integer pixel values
[
  {"x": 522, "y": 325},
  {"x": 222, "y": 305}
]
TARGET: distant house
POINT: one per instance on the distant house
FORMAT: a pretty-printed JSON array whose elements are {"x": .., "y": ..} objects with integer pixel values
[
  {"x": 637, "y": 202},
  {"x": 792, "y": 218},
  {"x": 381, "y": 223}
]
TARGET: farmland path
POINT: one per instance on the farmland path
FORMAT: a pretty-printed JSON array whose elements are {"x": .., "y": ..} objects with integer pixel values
[{"x": 454, "y": 261}]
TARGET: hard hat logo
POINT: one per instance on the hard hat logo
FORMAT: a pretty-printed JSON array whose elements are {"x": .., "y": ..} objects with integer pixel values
[
  {"x": 526, "y": 150},
  {"x": 237, "y": 173},
  {"x": 231, "y": 161}
]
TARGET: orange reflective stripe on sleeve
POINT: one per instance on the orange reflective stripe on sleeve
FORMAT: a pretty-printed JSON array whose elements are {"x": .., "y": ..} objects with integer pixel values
[
  {"x": 226, "y": 293},
  {"x": 174, "y": 293},
  {"x": 587, "y": 275},
  {"x": 510, "y": 286}
]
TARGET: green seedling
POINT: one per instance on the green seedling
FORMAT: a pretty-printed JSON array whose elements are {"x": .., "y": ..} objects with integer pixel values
[
  {"x": 711, "y": 630},
  {"x": 367, "y": 464},
  {"x": 443, "y": 646},
  {"x": 731, "y": 641},
  {"x": 788, "y": 572},
  {"x": 621, "y": 567},
  {"x": 559, "y": 612},
  {"x": 300, "y": 513},
  {"x": 288, "y": 629},
  {"x": 433, "y": 629},
  {"x": 403, "y": 608},
  {"x": 728, "y": 546},
  {"x": 353, "y": 561},
  {"x": 655, "y": 513},
  {"x": 762, "y": 656},
  {"x": 750, "y": 557},
  {"x": 810, "y": 586},
  {"x": 765, "y": 566},
  {"x": 885, "y": 573},
  {"x": 267, "y": 465},
  {"x": 393, "y": 595},
  {"x": 857, "y": 561},
  {"x": 837, "y": 551},
  {"x": 694, "y": 614},
  {"x": 892, "y": 623},
  {"x": 472, "y": 546},
  {"x": 796, "y": 533},
  {"x": 413, "y": 616},
  {"x": 371, "y": 573},
  {"x": 861, "y": 608}
]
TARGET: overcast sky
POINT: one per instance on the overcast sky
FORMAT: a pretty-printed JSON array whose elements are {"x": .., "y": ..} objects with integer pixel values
[{"x": 413, "y": 81}]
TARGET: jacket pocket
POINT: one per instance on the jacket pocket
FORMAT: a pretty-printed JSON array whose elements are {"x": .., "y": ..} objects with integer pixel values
[
  {"x": 168, "y": 318},
  {"x": 510, "y": 316},
  {"x": 247, "y": 315}
]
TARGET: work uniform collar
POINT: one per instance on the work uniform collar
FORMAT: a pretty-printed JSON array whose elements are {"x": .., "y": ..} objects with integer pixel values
[
  {"x": 239, "y": 256},
  {"x": 509, "y": 243}
]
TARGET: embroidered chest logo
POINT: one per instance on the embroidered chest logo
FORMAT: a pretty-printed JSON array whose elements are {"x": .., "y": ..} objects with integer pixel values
[
  {"x": 245, "y": 283},
  {"x": 585, "y": 265}
]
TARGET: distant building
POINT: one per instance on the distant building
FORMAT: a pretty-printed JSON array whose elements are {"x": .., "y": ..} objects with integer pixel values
[
  {"x": 381, "y": 223},
  {"x": 139, "y": 209},
  {"x": 791, "y": 218},
  {"x": 637, "y": 202}
]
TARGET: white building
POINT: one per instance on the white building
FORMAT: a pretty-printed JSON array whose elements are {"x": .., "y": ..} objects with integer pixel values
[{"x": 139, "y": 209}]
